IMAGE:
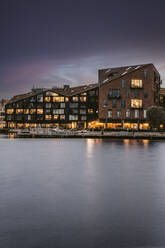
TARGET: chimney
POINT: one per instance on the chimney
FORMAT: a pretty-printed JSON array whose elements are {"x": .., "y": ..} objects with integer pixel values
[{"x": 66, "y": 86}]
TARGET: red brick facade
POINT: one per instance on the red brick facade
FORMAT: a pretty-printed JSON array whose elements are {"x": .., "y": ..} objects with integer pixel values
[{"x": 120, "y": 79}]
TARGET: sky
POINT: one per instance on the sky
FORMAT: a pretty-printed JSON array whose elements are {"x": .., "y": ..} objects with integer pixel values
[{"x": 47, "y": 43}]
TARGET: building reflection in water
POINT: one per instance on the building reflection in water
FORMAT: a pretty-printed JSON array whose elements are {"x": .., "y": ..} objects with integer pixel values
[{"x": 132, "y": 142}]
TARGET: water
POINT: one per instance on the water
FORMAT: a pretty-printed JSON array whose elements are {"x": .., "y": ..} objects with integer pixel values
[{"x": 60, "y": 193}]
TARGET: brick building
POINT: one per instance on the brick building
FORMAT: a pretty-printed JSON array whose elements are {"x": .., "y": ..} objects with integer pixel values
[{"x": 125, "y": 94}]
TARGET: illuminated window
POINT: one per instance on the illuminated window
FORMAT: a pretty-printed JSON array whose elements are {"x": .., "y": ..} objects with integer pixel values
[
  {"x": 32, "y": 111},
  {"x": 109, "y": 113},
  {"x": 26, "y": 111},
  {"x": 50, "y": 93},
  {"x": 136, "y": 83},
  {"x": 66, "y": 99},
  {"x": 83, "y": 94},
  {"x": 39, "y": 111},
  {"x": 62, "y": 117},
  {"x": 10, "y": 111},
  {"x": 19, "y": 111},
  {"x": 90, "y": 111},
  {"x": 83, "y": 98},
  {"x": 73, "y": 117},
  {"x": 48, "y": 117},
  {"x": 75, "y": 99},
  {"x": 161, "y": 99},
  {"x": 136, "y": 113},
  {"x": 58, "y": 99},
  {"x": 58, "y": 111},
  {"x": 136, "y": 103},
  {"x": 47, "y": 99},
  {"x": 55, "y": 117},
  {"x": 127, "y": 114}
]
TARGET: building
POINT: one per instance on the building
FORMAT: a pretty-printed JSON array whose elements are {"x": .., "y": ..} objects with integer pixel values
[
  {"x": 69, "y": 107},
  {"x": 162, "y": 97},
  {"x": 125, "y": 94},
  {"x": 2, "y": 113}
]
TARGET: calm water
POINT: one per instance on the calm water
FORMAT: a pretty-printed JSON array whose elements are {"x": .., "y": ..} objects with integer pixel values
[{"x": 57, "y": 193}]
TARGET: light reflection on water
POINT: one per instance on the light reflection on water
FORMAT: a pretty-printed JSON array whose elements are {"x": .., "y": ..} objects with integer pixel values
[{"x": 82, "y": 193}]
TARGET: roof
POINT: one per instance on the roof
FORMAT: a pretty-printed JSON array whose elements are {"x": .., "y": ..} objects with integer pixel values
[
  {"x": 162, "y": 91},
  {"x": 110, "y": 74},
  {"x": 68, "y": 91}
]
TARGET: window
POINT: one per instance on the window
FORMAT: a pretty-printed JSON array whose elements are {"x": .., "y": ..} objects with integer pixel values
[
  {"x": 118, "y": 113},
  {"x": 127, "y": 114},
  {"x": 136, "y": 83},
  {"x": 26, "y": 111},
  {"x": 19, "y": 111},
  {"x": 127, "y": 93},
  {"x": 10, "y": 111},
  {"x": 39, "y": 98},
  {"x": 32, "y": 99},
  {"x": 83, "y": 117},
  {"x": 145, "y": 93},
  {"x": 83, "y": 98},
  {"x": 39, "y": 111},
  {"x": 109, "y": 113},
  {"x": 62, "y": 117},
  {"x": 136, "y": 94},
  {"x": 75, "y": 99},
  {"x": 105, "y": 102},
  {"x": 48, "y": 117},
  {"x": 58, "y": 111},
  {"x": 50, "y": 93},
  {"x": 145, "y": 113},
  {"x": 47, "y": 99},
  {"x": 83, "y": 94},
  {"x": 73, "y": 105},
  {"x": 73, "y": 117},
  {"x": 48, "y": 105},
  {"x": 114, "y": 103},
  {"x": 62, "y": 105},
  {"x": 136, "y": 113},
  {"x": 32, "y": 111},
  {"x": 90, "y": 111},
  {"x": 161, "y": 99},
  {"x": 136, "y": 103},
  {"x": 56, "y": 117},
  {"x": 58, "y": 99},
  {"x": 114, "y": 93},
  {"x": 74, "y": 111},
  {"x": 145, "y": 73},
  {"x": 123, "y": 104},
  {"x": 82, "y": 111},
  {"x": 47, "y": 111},
  {"x": 29, "y": 117},
  {"x": 66, "y": 99},
  {"x": 92, "y": 92},
  {"x": 123, "y": 83}
]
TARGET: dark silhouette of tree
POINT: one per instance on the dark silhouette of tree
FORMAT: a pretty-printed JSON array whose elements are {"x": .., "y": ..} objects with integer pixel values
[{"x": 156, "y": 117}]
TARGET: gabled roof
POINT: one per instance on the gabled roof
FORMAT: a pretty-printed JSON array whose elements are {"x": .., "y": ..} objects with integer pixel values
[
  {"x": 68, "y": 91},
  {"x": 118, "y": 72}
]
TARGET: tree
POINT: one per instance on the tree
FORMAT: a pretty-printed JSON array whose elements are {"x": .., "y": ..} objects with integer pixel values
[{"x": 156, "y": 117}]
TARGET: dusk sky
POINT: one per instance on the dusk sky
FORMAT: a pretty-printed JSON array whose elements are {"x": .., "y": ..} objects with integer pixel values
[{"x": 49, "y": 43}]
